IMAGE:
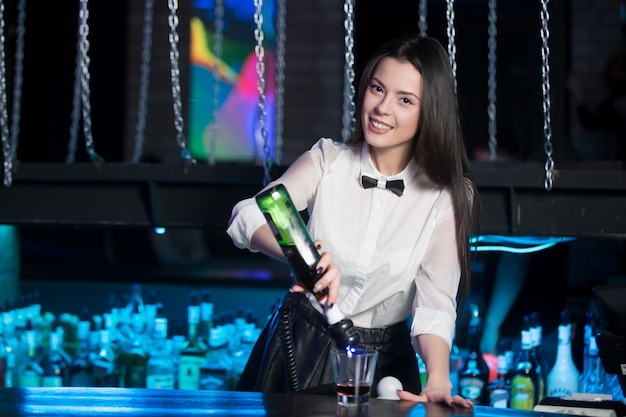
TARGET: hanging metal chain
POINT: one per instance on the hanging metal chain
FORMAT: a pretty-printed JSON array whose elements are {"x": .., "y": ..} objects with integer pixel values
[
  {"x": 4, "y": 116},
  {"x": 10, "y": 136},
  {"x": 84, "y": 79},
  {"x": 76, "y": 107},
  {"x": 451, "y": 32},
  {"x": 281, "y": 26},
  {"x": 545, "y": 88},
  {"x": 175, "y": 78},
  {"x": 218, "y": 37},
  {"x": 18, "y": 79},
  {"x": 261, "y": 128},
  {"x": 144, "y": 80},
  {"x": 492, "y": 83},
  {"x": 423, "y": 12},
  {"x": 349, "y": 120}
]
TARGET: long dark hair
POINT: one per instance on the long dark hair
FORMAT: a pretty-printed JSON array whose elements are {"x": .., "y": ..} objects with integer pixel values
[{"x": 438, "y": 145}]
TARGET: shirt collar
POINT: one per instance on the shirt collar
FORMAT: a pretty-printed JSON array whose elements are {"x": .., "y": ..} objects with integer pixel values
[{"x": 368, "y": 168}]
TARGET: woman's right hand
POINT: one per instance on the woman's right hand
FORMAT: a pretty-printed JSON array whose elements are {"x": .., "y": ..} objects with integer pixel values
[{"x": 330, "y": 276}]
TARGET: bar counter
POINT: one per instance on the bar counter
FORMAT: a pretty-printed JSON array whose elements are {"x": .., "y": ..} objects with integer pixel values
[{"x": 94, "y": 402}]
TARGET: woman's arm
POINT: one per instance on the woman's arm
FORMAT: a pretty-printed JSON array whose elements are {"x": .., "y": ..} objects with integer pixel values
[{"x": 435, "y": 353}]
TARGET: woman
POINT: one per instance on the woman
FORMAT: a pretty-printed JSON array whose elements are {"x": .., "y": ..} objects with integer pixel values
[{"x": 388, "y": 253}]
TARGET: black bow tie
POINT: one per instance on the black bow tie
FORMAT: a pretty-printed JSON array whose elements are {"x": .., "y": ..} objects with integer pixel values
[{"x": 395, "y": 186}]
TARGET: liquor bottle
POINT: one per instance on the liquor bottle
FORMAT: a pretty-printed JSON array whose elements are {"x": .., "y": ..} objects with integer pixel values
[
  {"x": 302, "y": 257},
  {"x": 536, "y": 337},
  {"x": 81, "y": 369},
  {"x": 134, "y": 359},
  {"x": 590, "y": 325},
  {"x": 525, "y": 384},
  {"x": 136, "y": 311},
  {"x": 30, "y": 374},
  {"x": 193, "y": 351},
  {"x": 500, "y": 388},
  {"x": 12, "y": 346},
  {"x": 216, "y": 370},
  {"x": 594, "y": 380},
  {"x": 105, "y": 363},
  {"x": 55, "y": 364},
  {"x": 206, "y": 316},
  {"x": 474, "y": 373},
  {"x": 3, "y": 354},
  {"x": 161, "y": 368},
  {"x": 151, "y": 308},
  {"x": 564, "y": 376}
]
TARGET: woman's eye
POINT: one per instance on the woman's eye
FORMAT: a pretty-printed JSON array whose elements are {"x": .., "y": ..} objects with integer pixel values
[
  {"x": 375, "y": 87},
  {"x": 406, "y": 100}
]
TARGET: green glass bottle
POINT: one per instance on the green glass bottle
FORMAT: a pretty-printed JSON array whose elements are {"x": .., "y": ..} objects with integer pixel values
[
  {"x": 193, "y": 352},
  {"x": 525, "y": 385},
  {"x": 302, "y": 256}
]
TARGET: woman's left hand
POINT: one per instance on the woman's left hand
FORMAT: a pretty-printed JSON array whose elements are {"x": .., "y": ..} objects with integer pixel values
[{"x": 437, "y": 396}]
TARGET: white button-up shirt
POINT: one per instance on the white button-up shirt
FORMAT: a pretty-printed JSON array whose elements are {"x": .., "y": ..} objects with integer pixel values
[{"x": 397, "y": 254}]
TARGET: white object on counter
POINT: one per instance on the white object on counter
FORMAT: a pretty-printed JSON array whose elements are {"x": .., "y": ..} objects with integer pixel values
[{"x": 387, "y": 388}]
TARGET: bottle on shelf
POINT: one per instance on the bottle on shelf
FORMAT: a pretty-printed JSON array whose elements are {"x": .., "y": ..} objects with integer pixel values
[
  {"x": 193, "y": 352},
  {"x": 474, "y": 373},
  {"x": 302, "y": 256},
  {"x": 564, "y": 376},
  {"x": 3, "y": 354},
  {"x": 594, "y": 379},
  {"x": 12, "y": 347},
  {"x": 590, "y": 325},
  {"x": 206, "y": 316},
  {"x": 216, "y": 370},
  {"x": 536, "y": 335},
  {"x": 30, "y": 374},
  {"x": 134, "y": 359},
  {"x": 500, "y": 388},
  {"x": 105, "y": 363},
  {"x": 81, "y": 369},
  {"x": 161, "y": 367},
  {"x": 525, "y": 384},
  {"x": 56, "y": 363}
]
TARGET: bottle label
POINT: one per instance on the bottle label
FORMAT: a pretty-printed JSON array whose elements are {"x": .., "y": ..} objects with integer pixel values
[
  {"x": 52, "y": 381},
  {"x": 471, "y": 388},
  {"x": 135, "y": 377},
  {"x": 189, "y": 372},
  {"x": 522, "y": 393},
  {"x": 500, "y": 398},
  {"x": 160, "y": 381},
  {"x": 30, "y": 380}
]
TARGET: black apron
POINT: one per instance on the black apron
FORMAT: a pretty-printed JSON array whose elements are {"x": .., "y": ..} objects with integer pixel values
[{"x": 292, "y": 352}]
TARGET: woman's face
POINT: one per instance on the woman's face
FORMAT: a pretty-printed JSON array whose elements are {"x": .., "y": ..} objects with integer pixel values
[{"x": 391, "y": 106}]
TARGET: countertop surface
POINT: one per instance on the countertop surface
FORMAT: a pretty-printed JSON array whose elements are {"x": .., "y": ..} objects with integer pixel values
[{"x": 93, "y": 402}]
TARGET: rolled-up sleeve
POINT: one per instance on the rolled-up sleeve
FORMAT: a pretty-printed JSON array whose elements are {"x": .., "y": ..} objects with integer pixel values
[
  {"x": 437, "y": 281},
  {"x": 245, "y": 219}
]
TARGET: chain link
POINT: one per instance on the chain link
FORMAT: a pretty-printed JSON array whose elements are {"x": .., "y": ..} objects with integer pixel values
[
  {"x": 175, "y": 78},
  {"x": 545, "y": 88},
  {"x": 261, "y": 128},
  {"x": 4, "y": 117},
  {"x": 451, "y": 32},
  {"x": 218, "y": 37},
  {"x": 423, "y": 11},
  {"x": 492, "y": 83},
  {"x": 281, "y": 25},
  {"x": 144, "y": 80},
  {"x": 349, "y": 119}
]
